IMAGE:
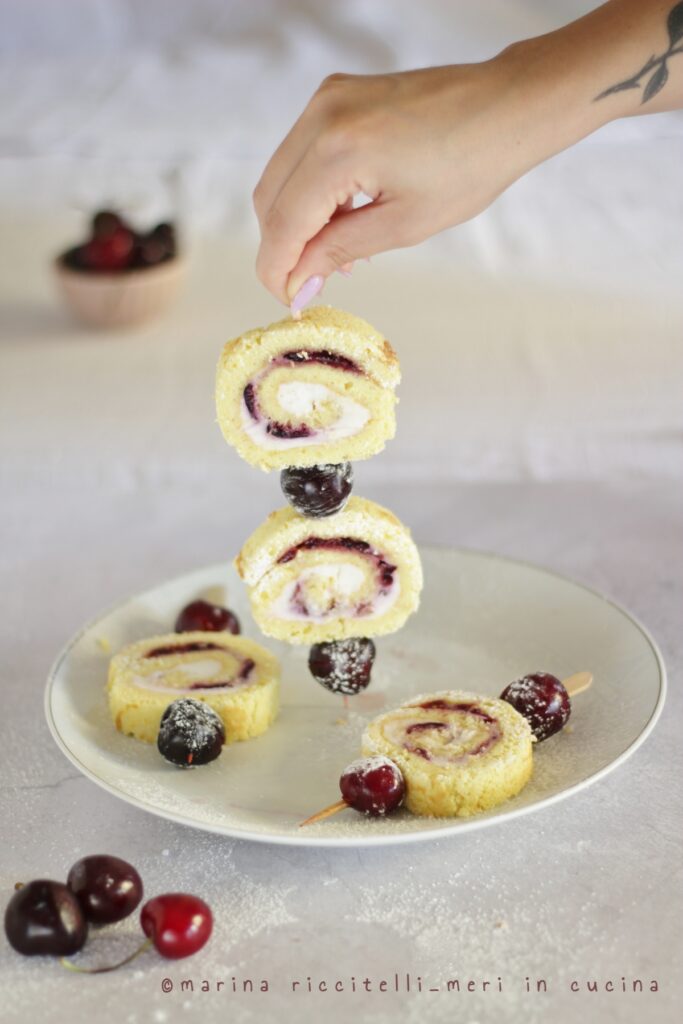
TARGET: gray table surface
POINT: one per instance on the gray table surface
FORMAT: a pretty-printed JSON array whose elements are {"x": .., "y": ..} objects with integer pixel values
[{"x": 589, "y": 889}]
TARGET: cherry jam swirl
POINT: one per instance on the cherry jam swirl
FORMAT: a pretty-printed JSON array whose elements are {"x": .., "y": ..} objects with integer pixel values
[
  {"x": 187, "y": 648},
  {"x": 385, "y": 570},
  {"x": 289, "y": 431},
  {"x": 193, "y": 646},
  {"x": 465, "y": 707},
  {"x": 308, "y": 355}
]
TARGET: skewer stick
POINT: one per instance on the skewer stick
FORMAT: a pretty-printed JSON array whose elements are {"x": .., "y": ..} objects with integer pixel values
[
  {"x": 326, "y": 813},
  {"x": 577, "y": 683}
]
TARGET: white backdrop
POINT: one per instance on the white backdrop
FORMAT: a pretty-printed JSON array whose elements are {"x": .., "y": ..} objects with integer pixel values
[{"x": 555, "y": 318}]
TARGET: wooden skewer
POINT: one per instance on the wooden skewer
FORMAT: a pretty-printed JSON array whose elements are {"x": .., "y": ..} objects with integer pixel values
[
  {"x": 574, "y": 684},
  {"x": 327, "y": 812},
  {"x": 577, "y": 683}
]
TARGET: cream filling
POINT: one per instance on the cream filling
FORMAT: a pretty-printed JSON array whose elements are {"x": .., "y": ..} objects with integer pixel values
[
  {"x": 446, "y": 747},
  {"x": 203, "y": 670},
  {"x": 299, "y": 399},
  {"x": 344, "y": 581}
]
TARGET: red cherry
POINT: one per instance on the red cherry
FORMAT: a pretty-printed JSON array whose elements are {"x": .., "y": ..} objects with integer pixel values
[
  {"x": 178, "y": 924},
  {"x": 207, "y": 617},
  {"x": 373, "y": 785},
  {"x": 109, "y": 253}
]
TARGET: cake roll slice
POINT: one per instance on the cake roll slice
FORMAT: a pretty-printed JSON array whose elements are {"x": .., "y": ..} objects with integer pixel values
[
  {"x": 235, "y": 676},
  {"x": 459, "y": 753},
  {"x": 355, "y": 573},
  {"x": 309, "y": 391}
]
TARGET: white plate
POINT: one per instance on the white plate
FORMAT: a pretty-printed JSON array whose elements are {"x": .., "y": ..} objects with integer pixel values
[{"x": 484, "y": 620}]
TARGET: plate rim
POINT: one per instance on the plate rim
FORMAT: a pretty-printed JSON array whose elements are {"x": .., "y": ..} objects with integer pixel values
[{"x": 458, "y": 826}]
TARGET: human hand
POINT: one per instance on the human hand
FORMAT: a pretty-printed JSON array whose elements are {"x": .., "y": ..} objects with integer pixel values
[
  {"x": 434, "y": 147},
  {"x": 431, "y": 148}
]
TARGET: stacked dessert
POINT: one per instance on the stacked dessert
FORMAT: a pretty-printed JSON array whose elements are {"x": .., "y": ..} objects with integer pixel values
[{"x": 307, "y": 397}]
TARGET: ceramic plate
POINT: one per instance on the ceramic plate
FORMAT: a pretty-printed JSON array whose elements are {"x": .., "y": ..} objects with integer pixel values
[{"x": 484, "y": 620}]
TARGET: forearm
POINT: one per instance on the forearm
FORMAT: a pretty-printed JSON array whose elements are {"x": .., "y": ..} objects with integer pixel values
[
  {"x": 622, "y": 59},
  {"x": 434, "y": 147}
]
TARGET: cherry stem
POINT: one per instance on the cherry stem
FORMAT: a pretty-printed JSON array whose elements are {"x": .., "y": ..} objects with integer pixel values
[
  {"x": 327, "y": 812},
  {"x": 577, "y": 683},
  {"x": 112, "y": 967}
]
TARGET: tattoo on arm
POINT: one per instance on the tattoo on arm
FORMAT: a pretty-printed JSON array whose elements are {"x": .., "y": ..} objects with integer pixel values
[{"x": 656, "y": 64}]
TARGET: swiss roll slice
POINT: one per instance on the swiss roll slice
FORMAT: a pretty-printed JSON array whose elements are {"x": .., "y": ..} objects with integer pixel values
[
  {"x": 235, "y": 676},
  {"x": 355, "y": 573},
  {"x": 460, "y": 753},
  {"x": 311, "y": 391}
]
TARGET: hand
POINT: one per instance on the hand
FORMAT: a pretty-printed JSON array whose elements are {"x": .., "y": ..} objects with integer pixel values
[{"x": 431, "y": 148}]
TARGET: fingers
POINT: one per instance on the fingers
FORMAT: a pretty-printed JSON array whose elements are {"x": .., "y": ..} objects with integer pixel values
[
  {"x": 316, "y": 117},
  {"x": 282, "y": 163},
  {"x": 311, "y": 197},
  {"x": 349, "y": 236}
]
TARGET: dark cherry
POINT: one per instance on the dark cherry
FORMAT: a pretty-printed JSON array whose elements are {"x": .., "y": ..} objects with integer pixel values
[
  {"x": 157, "y": 246},
  {"x": 542, "y": 700},
  {"x": 373, "y": 785},
  {"x": 207, "y": 617},
  {"x": 343, "y": 666},
  {"x": 317, "y": 491},
  {"x": 107, "y": 888},
  {"x": 190, "y": 733},
  {"x": 45, "y": 917},
  {"x": 178, "y": 924},
  {"x": 106, "y": 223},
  {"x": 165, "y": 232}
]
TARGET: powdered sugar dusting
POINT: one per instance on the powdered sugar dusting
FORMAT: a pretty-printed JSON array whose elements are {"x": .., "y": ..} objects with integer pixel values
[
  {"x": 369, "y": 764},
  {"x": 191, "y": 720}
]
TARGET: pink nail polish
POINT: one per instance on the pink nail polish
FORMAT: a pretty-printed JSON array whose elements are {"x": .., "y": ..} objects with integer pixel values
[
  {"x": 344, "y": 272},
  {"x": 309, "y": 289}
]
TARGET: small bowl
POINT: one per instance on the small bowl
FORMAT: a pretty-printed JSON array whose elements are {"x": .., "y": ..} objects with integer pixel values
[{"x": 120, "y": 299}]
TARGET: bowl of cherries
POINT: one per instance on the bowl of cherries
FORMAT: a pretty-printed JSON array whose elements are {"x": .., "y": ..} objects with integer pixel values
[{"x": 120, "y": 276}]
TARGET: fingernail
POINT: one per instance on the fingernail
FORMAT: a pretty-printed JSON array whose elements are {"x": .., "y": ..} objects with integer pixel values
[
  {"x": 309, "y": 289},
  {"x": 346, "y": 269}
]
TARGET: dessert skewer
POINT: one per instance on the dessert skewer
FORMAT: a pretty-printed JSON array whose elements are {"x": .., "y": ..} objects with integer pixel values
[
  {"x": 307, "y": 397},
  {"x": 457, "y": 754}
]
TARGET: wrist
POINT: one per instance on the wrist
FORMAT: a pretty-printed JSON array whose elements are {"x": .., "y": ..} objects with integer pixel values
[{"x": 552, "y": 94}]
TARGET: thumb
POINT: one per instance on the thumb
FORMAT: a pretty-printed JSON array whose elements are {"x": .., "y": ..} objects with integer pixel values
[{"x": 349, "y": 236}]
